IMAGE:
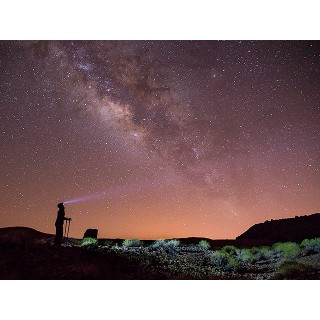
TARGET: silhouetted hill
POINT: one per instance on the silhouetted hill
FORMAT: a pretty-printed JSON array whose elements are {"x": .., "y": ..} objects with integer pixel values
[
  {"x": 24, "y": 234},
  {"x": 290, "y": 229}
]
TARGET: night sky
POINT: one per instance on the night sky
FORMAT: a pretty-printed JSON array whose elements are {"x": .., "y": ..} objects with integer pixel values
[{"x": 159, "y": 139}]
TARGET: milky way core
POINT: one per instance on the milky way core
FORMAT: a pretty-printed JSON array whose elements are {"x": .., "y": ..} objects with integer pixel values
[{"x": 159, "y": 139}]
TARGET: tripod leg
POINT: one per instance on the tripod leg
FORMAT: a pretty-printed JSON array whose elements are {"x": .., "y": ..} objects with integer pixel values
[
  {"x": 65, "y": 232},
  {"x": 68, "y": 229}
]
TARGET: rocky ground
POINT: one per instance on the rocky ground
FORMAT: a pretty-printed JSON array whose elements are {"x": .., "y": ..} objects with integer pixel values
[
  {"x": 186, "y": 263},
  {"x": 28, "y": 254}
]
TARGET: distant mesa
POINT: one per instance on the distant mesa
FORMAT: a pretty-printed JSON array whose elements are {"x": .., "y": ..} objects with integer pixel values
[{"x": 290, "y": 229}]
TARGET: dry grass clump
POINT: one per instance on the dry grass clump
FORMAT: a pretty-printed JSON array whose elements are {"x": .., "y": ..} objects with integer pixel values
[
  {"x": 89, "y": 242},
  {"x": 132, "y": 243},
  {"x": 203, "y": 244}
]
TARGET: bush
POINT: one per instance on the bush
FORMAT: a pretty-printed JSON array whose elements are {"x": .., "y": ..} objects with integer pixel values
[
  {"x": 264, "y": 253},
  {"x": 224, "y": 260},
  {"x": 245, "y": 255},
  {"x": 173, "y": 243},
  {"x": 166, "y": 244},
  {"x": 254, "y": 250},
  {"x": 229, "y": 249},
  {"x": 287, "y": 249},
  {"x": 158, "y": 244},
  {"x": 311, "y": 245},
  {"x": 132, "y": 243},
  {"x": 203, "y": 244},
  {"x": 89, "y": 242}
]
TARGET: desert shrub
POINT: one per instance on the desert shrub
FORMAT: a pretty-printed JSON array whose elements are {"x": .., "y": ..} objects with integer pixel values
[
  {"x": 172, "y": 244},
  {"x": 311, "y": 245},
  {"x": 223, "y": 260},
  {"x": 229, "y": 249},
  {"x": 166, "y": 244},
  {"x": 89, "y": 242},
  {"x": 254, "y": 250},
  {"x": 263, "y": 253},
  {"x": 130, "y": 243},
  {"x": 287, "y": 249},
  {"x": 245, "y": 255},
  {"x": 203, "y": 244},
  {"x": 158, "y": 244}
]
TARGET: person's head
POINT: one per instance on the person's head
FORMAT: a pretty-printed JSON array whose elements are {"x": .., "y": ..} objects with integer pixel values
[{"x": 60, "y": 205}]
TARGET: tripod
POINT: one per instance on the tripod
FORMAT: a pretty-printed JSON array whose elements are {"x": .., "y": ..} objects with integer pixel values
[{"x": 66, "y": 230}]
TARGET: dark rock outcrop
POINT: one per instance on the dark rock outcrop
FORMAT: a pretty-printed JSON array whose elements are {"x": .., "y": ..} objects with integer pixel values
[
  {"x": 291, "y": 229},
  {"x": 91, "y": 233}
]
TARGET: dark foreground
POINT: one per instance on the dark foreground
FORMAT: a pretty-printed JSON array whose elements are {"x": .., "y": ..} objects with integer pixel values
[{"x": 27, "y": 254}]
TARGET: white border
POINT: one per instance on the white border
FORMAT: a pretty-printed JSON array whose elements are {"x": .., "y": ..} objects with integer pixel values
[{"x": 166, "y": 19}]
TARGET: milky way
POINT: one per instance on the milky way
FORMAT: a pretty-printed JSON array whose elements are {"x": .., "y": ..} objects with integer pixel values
[{"x": 161, "y": 138}]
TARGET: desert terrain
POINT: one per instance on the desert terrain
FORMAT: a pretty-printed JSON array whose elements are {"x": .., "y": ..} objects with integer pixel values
[{"x": 29, "y": 254}]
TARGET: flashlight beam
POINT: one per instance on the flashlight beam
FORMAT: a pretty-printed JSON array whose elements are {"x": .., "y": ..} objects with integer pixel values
[{"x": 122, "y": 191}]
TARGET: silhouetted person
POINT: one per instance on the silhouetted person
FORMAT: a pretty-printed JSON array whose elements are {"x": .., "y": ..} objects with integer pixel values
[{"x": 59, "y": 224}]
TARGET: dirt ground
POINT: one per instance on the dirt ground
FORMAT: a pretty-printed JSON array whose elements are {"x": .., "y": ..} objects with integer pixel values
[{"x": 30, "y": 255}]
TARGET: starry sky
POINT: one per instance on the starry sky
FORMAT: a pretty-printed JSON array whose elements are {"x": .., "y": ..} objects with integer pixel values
[{"x": 159, "y": 139}]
